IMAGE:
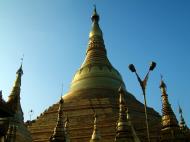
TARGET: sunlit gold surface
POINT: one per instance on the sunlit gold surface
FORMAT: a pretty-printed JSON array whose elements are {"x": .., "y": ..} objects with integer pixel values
[
  {"x": 95, "y": 86},
  {"x": 170, "y": 129},
  {"x": 22, "y": 134},
  {"x": 96, "y": 31}
]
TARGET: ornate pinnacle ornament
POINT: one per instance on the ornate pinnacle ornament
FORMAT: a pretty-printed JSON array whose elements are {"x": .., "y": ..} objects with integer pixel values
[
  {"x": 96, "y": 31},
  {"x": 96, "y": 137},
  {"x": 170, "y": 131},
  {"x": 168, "y": 117},
  {"x": 14, "y": 98},
  {"x": 17, "y": 121},
  {"x": 182, "y": 123},
  {"x": 59, "y": 130},
  {"x": 123, "y": 129}
]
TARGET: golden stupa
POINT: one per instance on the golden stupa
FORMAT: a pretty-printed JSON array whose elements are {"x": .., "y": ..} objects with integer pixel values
[
  {"x": 17, "y": 130},
  {"x": 95, "y": 88}
]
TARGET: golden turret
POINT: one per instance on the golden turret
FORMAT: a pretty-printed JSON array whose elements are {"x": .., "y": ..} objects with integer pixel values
[
  {"x": 170, "y": 131},
  {"x": 17, "y": 121},
  {"x": 123, "y": 131},
  {"x": 96, "y": 137},
  {"x": 182, "y": 123},
  {"x": 14, "y": 97},
  {"x": 59, "y": 130},
  {"x": 168, "y": 117}
]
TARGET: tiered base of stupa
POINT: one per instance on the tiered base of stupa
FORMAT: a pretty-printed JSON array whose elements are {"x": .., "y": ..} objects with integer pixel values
[{"x": 80, "y": 107}]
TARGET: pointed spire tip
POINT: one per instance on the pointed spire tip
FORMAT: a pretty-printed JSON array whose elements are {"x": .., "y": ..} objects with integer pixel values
[
  {"x": 61, "y": 100},
  {"x": 180, "y": 110},
  {"x": 95, "y": 16},
  {"x": 120, "y": 89},
  {"x": 20, "y": 71},
  {"x": 94, "y": 7},
  {"x": 162, "y": 84}
]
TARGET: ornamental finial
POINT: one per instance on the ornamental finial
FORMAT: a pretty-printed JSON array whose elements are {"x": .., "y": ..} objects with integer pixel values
[
  {"x": 20, "y": 71},
  {"x": 95, "y": 16},
  {"x": 162, "y": 84},
  {"x": 182, "y": 123}
]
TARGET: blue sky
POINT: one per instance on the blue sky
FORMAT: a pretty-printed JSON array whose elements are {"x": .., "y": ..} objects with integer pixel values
[{"x": 53, "y": 37}]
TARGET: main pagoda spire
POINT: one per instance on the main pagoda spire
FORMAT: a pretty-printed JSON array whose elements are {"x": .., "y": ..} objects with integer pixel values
[
  {"x": 96, "y": 52},
  {"x": 96, "y": 65}
]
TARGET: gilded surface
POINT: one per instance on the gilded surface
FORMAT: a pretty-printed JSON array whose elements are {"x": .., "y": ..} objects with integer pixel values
[
  {"x": 17, "y": 121},
  {"x": 95, "y": 85},
  {"x": 168, "y": 116}
]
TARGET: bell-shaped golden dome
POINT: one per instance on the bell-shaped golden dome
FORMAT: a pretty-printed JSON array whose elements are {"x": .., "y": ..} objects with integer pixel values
[{"x": 96, "y": 70}]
